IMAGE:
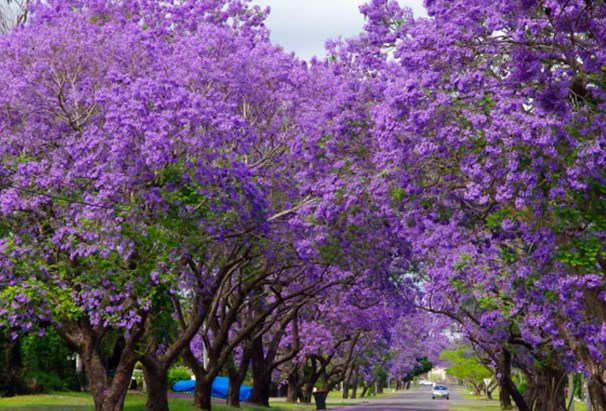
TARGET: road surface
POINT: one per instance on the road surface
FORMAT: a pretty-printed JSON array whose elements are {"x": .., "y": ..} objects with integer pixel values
[{"x": 413, "y": 400}]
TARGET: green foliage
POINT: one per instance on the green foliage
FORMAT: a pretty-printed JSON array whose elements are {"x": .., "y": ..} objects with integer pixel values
[
  {"x": 424, "y": 366},
  {"x": 46, "y": 353},
  {"x": 586, "y": 216},
  {"x": 523, "y": 387},
  {"x": 465, "y": 365},
  {"x": 177, "y": 374},
  {"x": 38, "y": 382}
]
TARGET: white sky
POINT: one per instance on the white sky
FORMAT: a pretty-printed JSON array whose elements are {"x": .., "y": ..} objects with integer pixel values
[{"x": 303, "y": 26}]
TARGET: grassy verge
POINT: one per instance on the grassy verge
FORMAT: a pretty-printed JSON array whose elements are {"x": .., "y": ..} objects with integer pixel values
[
  {"x": 473, "y": 407},
  {"x": 468, "y": 396},
  {"x": 84, "y": 402}
]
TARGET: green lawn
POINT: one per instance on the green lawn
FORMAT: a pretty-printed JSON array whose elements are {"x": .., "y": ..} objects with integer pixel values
[
  {"x": 473, "y": 407},
  {"x": 84, "y": 402},
  {"x": 136, "y": 402}
]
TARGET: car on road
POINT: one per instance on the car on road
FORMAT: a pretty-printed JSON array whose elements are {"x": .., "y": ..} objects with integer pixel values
[
  {"x": 425, "y": 382},
  {"x": 440, "y": 391}
]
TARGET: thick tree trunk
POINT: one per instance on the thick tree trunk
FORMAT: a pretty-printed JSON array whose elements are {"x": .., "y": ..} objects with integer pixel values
[
  {"x": 261, "y": 389},
  {"x": 261, "y": 375},
  {"x": 308, "y": 389},
  {"x": 202, "y": 397},
  {"x": 237, "y": 376},
  {"x": 398, "y": 384},
  {"x": 233, "y": 392},
  {"x": 293, "y": 393},
  {"x": 107, "y": 396},
  {"x": 156, "y": 380},
  {"x": 597, "y": 391},
  {"x": 548, "y": 390}
]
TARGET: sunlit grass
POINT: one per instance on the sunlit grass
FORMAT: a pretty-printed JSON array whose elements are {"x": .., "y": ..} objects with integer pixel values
[
  {"x": 84, "y": 402},
  {"x": 473, "y": 407}
]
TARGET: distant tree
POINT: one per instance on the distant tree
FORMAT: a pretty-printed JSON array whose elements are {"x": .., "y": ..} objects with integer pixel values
[{"x": 467, "y": 366}]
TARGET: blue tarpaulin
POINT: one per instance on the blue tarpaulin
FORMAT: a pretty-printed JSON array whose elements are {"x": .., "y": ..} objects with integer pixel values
[{"x": 219, "y": 388}]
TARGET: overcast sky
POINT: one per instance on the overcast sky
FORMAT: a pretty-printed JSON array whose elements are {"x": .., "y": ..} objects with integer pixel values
[{"x": 303, "y": 26}]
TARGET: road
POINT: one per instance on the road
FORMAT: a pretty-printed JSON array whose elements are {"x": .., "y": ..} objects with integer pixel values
[{"x": 413, "y": 400}]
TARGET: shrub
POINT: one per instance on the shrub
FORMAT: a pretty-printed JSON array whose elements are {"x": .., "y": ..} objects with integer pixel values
[
  {"x": 38, "y": 382},
  {"x": 177, "y": 374}
]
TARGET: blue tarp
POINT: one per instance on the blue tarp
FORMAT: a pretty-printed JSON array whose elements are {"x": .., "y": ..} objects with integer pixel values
[{"x": 219, "y": 388}]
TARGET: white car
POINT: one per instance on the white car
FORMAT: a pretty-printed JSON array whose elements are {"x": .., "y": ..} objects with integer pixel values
[
  {"x": 425, "y": 382},
  {"x": 440, "y": 391}
]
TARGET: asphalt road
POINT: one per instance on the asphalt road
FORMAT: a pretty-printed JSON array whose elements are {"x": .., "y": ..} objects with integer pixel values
[{"x": 413, "y": 400}]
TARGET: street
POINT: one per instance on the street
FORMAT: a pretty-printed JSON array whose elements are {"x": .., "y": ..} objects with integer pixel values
[{"x": 413, "y": 400}]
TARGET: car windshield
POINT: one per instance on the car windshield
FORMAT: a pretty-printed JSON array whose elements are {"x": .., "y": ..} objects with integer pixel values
[{"x": 440, "y": 387}]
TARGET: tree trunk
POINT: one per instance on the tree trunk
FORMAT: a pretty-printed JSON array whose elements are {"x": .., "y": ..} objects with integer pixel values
[
  {"x": 546, "y": 392},
  {"x": 237, "y": 376},
  {"x": 345, "y": 393},
  {"x": 597, "y": 391},
  {"x": 365, "y": 390},
  {"x": 507, "y": 388},
  {"x": 233, "y": 392},
  {"x": 570, "y": 393},
  {"x": 202, "y": 397},
  {"x": 308, "y": 389},
  {"x": 398, "y": 384},
  {"x": 156, "y": 381},
  {"x": 380, "y": 386},
  {"x": 261, "y": 375},
  {"x": 107, "y": 396},
  {"x": 293, "y": 393},
  {"x": 490, "y": 389}
]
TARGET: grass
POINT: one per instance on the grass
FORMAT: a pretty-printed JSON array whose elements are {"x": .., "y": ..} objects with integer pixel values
[
  {"x": 73, "y": 401},
  {"x": 468, "y": 396},
  {"x": 84, "y": 402},
  {"x": 473, "y": 407}
]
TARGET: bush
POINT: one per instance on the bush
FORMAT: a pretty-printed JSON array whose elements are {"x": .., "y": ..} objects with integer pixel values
[
  {"x": 38, "y": 382},
  {"x": 177, "y": 374}
]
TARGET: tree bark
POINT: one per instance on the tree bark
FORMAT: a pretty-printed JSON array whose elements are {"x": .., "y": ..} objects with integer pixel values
[
  {"x": 380, "y": 386},
  {"x": 507, "y": 385},
  {"x": 570, "y": 392},
  {"x": 237, "y": 374},
  {"x": 108, "y": 396},
  {"x": 202, "y": 397},
  {"x": 308, "y": 389},
  {"x": 293, "y": 393},
  {"x": 261, "y": 375},
  {"x": 233, "y": 392},
  {"x": 547, "y": 390},
  {"x": 365, "y": 389},
  {"x": 155, "y": 374},
  {"x": 597, "y": 391}
]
